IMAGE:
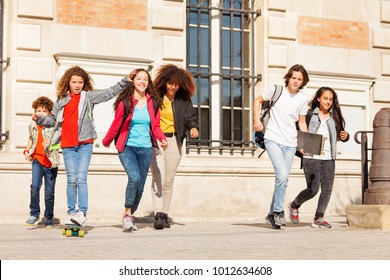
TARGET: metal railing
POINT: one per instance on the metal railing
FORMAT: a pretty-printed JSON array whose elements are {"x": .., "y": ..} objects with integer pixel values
[
  {"x": 364, "y": 158},
  {"x": 231, "y": 146}
]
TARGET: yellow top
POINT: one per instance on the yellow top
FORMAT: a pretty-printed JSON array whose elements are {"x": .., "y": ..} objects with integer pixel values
[{"x": 166, "y": 116}]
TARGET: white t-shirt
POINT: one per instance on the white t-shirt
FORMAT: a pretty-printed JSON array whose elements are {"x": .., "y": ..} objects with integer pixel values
[
  {"x": 326, "y": 150},
  {"x": 283, "y": 116}
]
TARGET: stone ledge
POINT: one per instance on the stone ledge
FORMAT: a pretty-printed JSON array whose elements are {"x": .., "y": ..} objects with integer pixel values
[{"x": 368, "y": 216}]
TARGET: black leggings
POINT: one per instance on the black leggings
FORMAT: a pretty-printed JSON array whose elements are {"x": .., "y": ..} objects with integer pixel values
[{"x": 317, "y": 172}]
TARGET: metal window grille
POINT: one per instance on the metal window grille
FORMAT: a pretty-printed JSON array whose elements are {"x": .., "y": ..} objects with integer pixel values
[{"x": 235, "y": 78}]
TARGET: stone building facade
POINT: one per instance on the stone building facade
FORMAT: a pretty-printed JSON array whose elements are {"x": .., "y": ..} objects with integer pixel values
[{"x": 235, "y": 49}]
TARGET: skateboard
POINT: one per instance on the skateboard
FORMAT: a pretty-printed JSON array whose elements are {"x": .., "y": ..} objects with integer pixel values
[{"x": 72, "y": 230}]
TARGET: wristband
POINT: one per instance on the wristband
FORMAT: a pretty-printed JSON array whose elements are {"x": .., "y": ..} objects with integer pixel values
[{"x": 26, "y": 151}]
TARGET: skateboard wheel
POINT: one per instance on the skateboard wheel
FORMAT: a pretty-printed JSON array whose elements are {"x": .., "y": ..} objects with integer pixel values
[
  {"x": 68, "y": 233},
  {"x": 81, "y": 233},
  {"x": 63, "y": 231}
]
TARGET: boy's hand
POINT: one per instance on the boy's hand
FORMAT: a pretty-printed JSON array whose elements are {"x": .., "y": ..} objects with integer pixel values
[
  {"x": 46, "y": 143},
  {"x": 257, "y": 125}
]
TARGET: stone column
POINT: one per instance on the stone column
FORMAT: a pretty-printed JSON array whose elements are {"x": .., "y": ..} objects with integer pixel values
[
  {"x": 378, "y": 192},
  {"x": 375, "y": 213}
]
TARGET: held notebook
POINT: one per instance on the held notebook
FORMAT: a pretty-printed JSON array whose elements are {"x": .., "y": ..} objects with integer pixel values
[{"x": 311, "y": 143}]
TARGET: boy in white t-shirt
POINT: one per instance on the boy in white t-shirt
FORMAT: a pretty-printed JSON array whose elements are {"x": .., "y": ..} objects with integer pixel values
[{"x": 281, "y": 135}]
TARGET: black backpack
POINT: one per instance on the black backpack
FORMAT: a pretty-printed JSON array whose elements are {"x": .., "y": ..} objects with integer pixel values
[{"x": 258, "y": 136}]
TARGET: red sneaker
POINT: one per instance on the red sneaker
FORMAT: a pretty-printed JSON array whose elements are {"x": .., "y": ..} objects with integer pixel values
[{"x": 294, "y": 214}]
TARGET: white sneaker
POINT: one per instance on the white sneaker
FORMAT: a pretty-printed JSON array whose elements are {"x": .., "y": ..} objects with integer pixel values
[
  {"x": 68, "y": 220},
  {"x": 127, "y": 223},
  {"x": 135, "y": 228},
  {"x": 78, "y": 218}
]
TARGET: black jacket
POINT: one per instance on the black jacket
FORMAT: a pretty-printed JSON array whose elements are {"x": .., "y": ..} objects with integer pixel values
[{"x": 184, "y": 117}]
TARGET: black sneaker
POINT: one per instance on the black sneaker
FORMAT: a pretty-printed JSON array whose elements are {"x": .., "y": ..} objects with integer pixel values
[
  {"x": 279, "y": 218},
  {"x": 165, "y": 220},
  {"x": 269, "y": 219},
  {"x": 159, "y": 221}
]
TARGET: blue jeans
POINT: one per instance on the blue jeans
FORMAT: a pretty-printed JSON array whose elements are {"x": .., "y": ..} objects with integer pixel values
[
  {"x": 77, "y": 161},
  {"x": 50, "y": 175},
  {"x": 282, "y": 158},
  {"x": 136, "y": 162}
]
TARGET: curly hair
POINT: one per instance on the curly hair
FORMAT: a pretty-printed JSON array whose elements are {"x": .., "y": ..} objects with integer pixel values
[
  {"x": 171, "y": 74},
  {"x": 335, "y": 109},
  {"x": 297, "y": 68},
  {"x": 127, "y": 93},
  {"x": 63, "y": 84},
  {"x": 43, "y": 102}
]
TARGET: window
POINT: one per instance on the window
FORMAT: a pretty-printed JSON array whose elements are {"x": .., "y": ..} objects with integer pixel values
[{"x": 220, "y": 55}]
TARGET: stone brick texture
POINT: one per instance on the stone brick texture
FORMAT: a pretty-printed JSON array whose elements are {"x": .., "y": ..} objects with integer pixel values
[
  {"x": 119, "y": 14},
  {"x": 333, "y": 33}
]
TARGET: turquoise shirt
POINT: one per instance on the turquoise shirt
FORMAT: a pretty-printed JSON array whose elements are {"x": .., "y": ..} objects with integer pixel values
[{"x": 139, "y": 135}]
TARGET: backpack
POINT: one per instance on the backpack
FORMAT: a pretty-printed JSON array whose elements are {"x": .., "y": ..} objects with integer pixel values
[
  {"x": 258, "y": 136},
  {"x": 267, "y": 105}
]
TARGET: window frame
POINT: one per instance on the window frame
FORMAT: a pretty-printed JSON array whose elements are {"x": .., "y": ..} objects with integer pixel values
[{"x": 216, "y": 75}]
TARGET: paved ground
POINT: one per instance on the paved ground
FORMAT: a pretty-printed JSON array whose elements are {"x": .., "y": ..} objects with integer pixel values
[{"x": 197, "y": 240}]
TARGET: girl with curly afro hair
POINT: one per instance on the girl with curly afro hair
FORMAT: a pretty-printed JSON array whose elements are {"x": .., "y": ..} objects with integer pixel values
[{"x": 175, "y": 86}]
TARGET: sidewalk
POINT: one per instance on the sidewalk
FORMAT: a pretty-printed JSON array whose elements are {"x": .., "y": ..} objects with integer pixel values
[{"x": 197, "y": 240}]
